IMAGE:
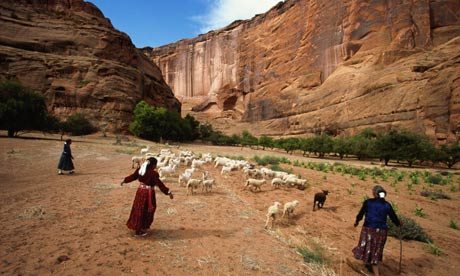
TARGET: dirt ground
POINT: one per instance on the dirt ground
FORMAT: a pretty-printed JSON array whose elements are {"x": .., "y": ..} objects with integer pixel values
[{"x": 75, "y": 224}]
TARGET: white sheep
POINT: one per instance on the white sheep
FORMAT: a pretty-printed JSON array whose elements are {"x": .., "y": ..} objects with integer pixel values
[
  {"x": 225, "y": 169},
  {"x": 272, "y": 213},
  {"x": 170, "y": 169},
  {"x": 254, "y": 183},
  {"x": 294, "y": 181},
  {"x": 145, "y": 150},
  {"x": 207, "y": 185},
  {"x": 192, "y": 184},
  {"x": 277, "y": 182},
  {"x": 196, "y": 163},
  {"x": 252, "y": 173},
  {"x": 137, "y": 160},
  {"x": 289, "y": 208},
  {"x": 184, "y": 177}
]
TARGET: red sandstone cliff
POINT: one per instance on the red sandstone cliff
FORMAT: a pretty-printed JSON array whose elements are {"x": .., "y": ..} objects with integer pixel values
[
  {"x": 337, "y": 66},
  {"x": 67, "y": 50}
]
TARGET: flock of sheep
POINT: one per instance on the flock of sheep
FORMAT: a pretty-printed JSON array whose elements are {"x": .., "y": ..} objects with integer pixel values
[{"x": 170, "y": 162}]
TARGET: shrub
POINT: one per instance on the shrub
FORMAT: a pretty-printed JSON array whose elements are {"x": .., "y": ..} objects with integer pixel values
[
  {"x": 314, "y": 255},
  {"x": 434, "y": 195},
  {"x": 77, "y": 124},
  {"x": 435, "y": 179},
  {"x": 409, "y": 231},
  {"x": 265, "y": 160},
  {"x": 419, "y": 211},
  {"x": 433, "y": 249},
  {"x": 453, "y": 225}
]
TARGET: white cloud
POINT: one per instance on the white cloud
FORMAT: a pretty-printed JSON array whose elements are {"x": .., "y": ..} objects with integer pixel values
[{"x": 223, "y": 12}]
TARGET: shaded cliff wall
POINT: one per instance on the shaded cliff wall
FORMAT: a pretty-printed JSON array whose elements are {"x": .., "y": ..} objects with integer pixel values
[
  {"x": 68, "y": 51},
  {"x": 339, "y": 66}
]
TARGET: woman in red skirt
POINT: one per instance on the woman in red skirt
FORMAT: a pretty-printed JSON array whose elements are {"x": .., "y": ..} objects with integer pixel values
[
  {"x": 144, "y": 204},
  {"x": 374, "y": 231}
]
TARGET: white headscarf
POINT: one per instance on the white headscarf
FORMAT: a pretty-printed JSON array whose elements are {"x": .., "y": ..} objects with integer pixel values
[{"x": 143, "y": 168}]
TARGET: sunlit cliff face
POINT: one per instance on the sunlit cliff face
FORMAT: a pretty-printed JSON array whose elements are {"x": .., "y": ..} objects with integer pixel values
[{"x": 339, "y": 66}]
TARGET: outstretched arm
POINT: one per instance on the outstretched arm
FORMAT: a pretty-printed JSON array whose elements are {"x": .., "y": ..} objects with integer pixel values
[
  {"x": 361, "y": 213},
  {"x": 130, "y": 177}
]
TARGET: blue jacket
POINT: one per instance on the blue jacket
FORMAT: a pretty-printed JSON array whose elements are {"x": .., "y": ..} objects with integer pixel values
[{"x": 376, "y": 211}]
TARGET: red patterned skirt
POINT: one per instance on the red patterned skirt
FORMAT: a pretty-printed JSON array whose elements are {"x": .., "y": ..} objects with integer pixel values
[
  {"x": 143, "y": 209},
  {"x": 370, "y": 245}
]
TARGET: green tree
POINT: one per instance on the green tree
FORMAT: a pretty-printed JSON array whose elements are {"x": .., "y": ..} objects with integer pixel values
[
  {"x": 342, "y": 147},
  {"x": 159, "y": 123},
  {"x": 322, "y": 144},
  {"x": 361, "y": 146},
  {"x": 403, "y": 145},
  {"x": 22, "y": 109},
  {"x": 288, "y": 144},
  {"x": 266, "y": 142},
  {"x": 306, "y": 145},
  {"x": 449, "y": 154},
  {"x": 194, "y": 127},
  {"x": 247, "y": 139}
]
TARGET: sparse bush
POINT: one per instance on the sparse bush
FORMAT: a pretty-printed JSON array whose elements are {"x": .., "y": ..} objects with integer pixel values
[
  {"x": 453, "y": 225},
  {"x": 265, "y": 160},
  {"x": 313, "y": 255},
  {"x": 77, "y": 124},
  {"x": 409, "y": 231},
  {"x": 434, "y": 195},
  {"x": 419, "y": 211},
  {"x": 435, "y": 179},
  {"x": 433, "y": 249}
]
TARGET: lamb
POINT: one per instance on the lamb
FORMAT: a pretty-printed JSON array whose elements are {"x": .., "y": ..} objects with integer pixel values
[
  {"x": 254, "y": 183},
  {"x": 185, "y": 177},
  {"x": 163, "y": 171},
  {"x": 277, "y": 182},
  {"x": 319, "y": 199},
  {"x": 225, "y": 169},
  {"x": 296, "y": 182},
  {"x": 197, "y": 163},
  {"x": 192, "y": 184},
  {"x": 137, "y": 160},
  {"x": 289, "y": 208},
  {"x": 272, "y": 213},
  {"x": 207, "y": 185},
  {"x": 145, "y": 150}
]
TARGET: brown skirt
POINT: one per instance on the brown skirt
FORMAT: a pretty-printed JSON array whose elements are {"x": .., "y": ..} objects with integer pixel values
[
  {"x": 143, "y": 209},
  {"x": 370, "y": 245}
]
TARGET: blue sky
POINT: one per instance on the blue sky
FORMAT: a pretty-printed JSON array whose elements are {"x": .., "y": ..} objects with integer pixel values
[{"x": 159, "y": 22}]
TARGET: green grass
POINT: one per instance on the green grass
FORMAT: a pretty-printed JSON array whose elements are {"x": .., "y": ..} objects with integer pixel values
[
  {"x": 313, "y": 255},
  {"x": 419, "y": 211},
  {"x": 453, "y": 225},
  {"x": 433, "y": 249}
]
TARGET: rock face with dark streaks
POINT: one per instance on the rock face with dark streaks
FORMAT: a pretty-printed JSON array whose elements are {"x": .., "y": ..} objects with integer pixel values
[
  {"x": 68, "y": 51},
  {"x": 326, "y": 66}
]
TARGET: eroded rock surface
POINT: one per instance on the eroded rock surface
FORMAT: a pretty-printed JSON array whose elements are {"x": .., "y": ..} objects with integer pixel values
[
  {"x": 335, "y": 66},
  {"x": 71, "y": 53}
]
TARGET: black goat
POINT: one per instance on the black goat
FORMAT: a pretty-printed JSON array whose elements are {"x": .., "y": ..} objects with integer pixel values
[{"x": 320, "y": 198}]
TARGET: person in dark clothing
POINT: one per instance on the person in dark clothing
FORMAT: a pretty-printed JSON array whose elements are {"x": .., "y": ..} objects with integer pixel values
[
  {"x": 144, "y": 205},
  {"x": 375, "y": 229},
  {"x": 65, "y": 162}
]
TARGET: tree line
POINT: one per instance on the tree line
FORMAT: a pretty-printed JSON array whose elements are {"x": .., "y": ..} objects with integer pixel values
[
  {"x": 22, "y": 109},
  {"x": 396, "y": 145}
]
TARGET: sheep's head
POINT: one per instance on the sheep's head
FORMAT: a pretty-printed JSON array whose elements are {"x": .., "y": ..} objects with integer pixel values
[
  {"x": 295, "y": 202},
  {"x": 277, "y": 204},
  {"x": 325, "y": 192}
]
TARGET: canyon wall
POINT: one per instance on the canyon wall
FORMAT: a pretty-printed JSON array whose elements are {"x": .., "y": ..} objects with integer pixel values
[
  {"x": 68, "y": 51},
  {"x": 335, "y": 66}
]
